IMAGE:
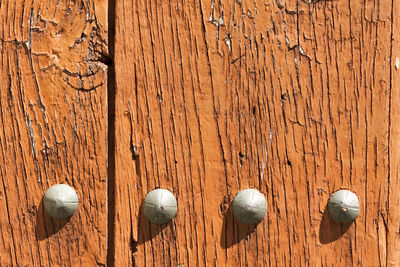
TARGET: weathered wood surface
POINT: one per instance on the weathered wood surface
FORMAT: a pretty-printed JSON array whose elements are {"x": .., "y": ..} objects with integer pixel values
[
  {"x": 295, "y": 98},
  {"x": 53, "y": 129}
]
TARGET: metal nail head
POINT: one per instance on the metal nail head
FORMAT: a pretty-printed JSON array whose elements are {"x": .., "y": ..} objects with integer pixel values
[
  {"x": 160, "y": 206},
  {"x": 249, "y": 206},
  {"x": 60, "y": 201},
  {"x": 343, "y": 206}
]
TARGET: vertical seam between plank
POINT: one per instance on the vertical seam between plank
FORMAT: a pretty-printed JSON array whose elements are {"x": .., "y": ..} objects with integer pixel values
[{"x": 111, "y": 89}]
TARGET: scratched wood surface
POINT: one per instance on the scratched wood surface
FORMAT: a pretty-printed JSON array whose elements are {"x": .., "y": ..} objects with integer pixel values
[
  {"x": 295, "y": 98},
  {"x": 53, "y": 127}
]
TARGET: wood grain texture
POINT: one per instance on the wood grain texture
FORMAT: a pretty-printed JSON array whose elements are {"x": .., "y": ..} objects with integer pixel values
[
  {"x": 393, "y": 216},
  {"x": 53, "y": 129},
  {"x": 295, "y": 98}
]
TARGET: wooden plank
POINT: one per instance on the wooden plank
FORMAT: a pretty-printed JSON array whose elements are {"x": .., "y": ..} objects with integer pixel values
[
  {"x": 294, "y": 98},
  {"x": 392, "y": 216},
  {"x": 53, "y": 117}
]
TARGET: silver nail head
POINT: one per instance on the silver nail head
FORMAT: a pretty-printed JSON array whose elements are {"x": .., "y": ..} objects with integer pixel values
[
  {"x": 160, "y": 206},
  {"x": 249, "y": 206},
  {"x": 60, "y": 201},
  {"x": 343, "y": 206}
]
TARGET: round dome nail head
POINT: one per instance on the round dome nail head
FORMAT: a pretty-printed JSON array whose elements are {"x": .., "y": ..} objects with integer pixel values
[
  {"x": 160, "y": 206},
  {"x": 343, "y": 206},
  {"x": 60, "y": 201},
  {"x": 249, "y": 206}
]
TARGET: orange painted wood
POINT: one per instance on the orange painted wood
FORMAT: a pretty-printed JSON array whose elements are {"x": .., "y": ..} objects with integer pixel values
[
  {"x": 295, "y": 98},
  {"x": 53, "y": 129},
  {"x": 393, "y": 202}
]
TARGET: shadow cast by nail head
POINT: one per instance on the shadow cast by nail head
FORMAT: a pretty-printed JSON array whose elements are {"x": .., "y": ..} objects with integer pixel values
[
  {"x": 232, "y": 231},
  {"x": 46, "y": 226},
  {"x": 147, "y": 230},
  {"x": 330, "y": 230}
]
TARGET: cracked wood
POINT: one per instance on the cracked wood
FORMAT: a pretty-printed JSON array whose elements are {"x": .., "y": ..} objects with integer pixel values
[
  {"x": 53, "y": 117},
  {"x": 295, "y": 98}
]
